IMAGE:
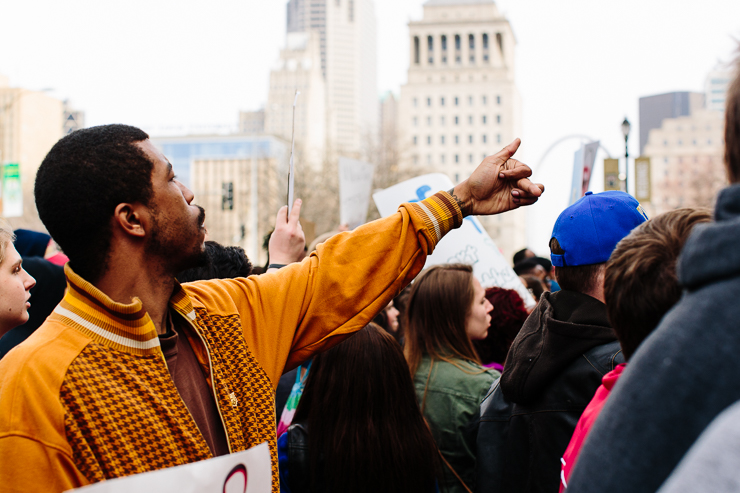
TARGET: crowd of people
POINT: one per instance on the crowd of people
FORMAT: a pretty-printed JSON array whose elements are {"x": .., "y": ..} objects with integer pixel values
[{"x": 149, "y": 347}]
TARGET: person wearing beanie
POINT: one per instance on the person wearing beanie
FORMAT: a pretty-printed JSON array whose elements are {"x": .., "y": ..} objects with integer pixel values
[{"x": 558, "y": 359}]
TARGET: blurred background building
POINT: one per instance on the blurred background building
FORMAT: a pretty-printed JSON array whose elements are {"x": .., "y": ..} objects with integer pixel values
[
  {"x": 345, "y": 36},
  {"x": 686, "y": 145},
  {"x": 31, "y": 122},
  {"x": 240, "y": 180},
  {"x": 460, "y": 103}
]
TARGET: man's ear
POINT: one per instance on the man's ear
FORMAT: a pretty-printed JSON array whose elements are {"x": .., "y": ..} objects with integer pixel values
[{"x": 131, "y": 219}]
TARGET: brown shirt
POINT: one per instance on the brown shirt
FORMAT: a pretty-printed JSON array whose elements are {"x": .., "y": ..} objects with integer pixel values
[{"x": 191, "y": 383}]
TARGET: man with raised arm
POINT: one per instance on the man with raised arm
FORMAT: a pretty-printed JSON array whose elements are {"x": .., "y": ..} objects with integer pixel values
[{"x": 92, "y": 395}]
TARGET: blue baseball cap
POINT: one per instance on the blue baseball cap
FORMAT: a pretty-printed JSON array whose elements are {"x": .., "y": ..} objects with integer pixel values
[{"x": 589, "y": 230}]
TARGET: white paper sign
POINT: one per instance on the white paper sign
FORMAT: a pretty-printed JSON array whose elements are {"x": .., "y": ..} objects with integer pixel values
[
  {"x": 583, "y": 164},
  {"x": 355, "y": 185},
  {"x": 249, "y": 471},
  {"x": 469, "y": 244}
]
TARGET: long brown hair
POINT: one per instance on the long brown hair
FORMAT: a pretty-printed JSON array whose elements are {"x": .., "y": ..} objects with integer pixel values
[
  {"x": 365, "y": 430},
  {"x": 438, "y": 306}
]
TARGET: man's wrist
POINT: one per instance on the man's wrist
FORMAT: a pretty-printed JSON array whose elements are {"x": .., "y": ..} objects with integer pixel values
[{"x": 462, "y": 198}]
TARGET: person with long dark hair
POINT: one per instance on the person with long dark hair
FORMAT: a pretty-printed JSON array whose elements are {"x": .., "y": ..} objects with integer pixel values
[
  {"x": 358, "y": 426},
  {"x": 447, "y": 310}
]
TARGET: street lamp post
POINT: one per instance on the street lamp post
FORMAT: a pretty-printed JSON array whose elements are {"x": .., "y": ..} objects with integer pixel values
[{"x": 626, "y": 132}]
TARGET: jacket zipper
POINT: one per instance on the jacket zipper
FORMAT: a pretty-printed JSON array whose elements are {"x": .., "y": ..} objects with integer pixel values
[{"x": 213, "y": 384}]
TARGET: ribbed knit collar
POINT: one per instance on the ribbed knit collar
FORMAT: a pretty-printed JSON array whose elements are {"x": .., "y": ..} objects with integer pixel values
[{"x": 123, "y": 327}]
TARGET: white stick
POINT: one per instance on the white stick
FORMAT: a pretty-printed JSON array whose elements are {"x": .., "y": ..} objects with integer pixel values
[{"x": 291, "y": 171}]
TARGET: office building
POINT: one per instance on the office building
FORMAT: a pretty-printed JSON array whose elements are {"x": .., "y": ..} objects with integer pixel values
[
  {"x": 298, "y": 70},
  {"x": 460, "y": 103},
  {"x": 715, "y": 87},
  {"x": 655, "y": 109},
  {"x": 252, "y": 122},
  {"x": 31, "y": 122},
  {"x": 686, "y": 161},
  {"x": 346, "y": 36},
  {"x": 240, "y": 180}
]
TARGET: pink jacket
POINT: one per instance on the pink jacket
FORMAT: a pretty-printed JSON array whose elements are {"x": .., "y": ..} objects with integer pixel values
[{"x": 588, "y": 418}]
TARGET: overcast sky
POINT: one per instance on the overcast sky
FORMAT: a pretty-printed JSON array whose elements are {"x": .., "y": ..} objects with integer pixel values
[{"x": 581, "y": 64}]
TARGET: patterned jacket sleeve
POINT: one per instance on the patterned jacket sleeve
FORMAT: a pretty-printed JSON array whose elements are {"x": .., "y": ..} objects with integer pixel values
[{"x": 310, "y": 306}]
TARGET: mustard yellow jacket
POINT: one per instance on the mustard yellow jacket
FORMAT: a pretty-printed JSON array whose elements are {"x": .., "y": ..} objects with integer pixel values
[{"x": 88, "y": 396}]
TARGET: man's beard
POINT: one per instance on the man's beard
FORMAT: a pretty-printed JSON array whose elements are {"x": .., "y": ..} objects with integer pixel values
[{"x": 173, "y": 244}]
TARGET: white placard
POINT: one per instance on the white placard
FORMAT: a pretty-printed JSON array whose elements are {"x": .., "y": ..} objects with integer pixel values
[
  {"x": 583, "y": 164},
  {"x": 249, "y": 471},
  {"x": 469, "y": 244},
  {"x": 355, "y": 185}
]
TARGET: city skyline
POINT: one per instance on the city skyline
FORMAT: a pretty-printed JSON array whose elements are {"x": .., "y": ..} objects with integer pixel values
[{"x": 581, "y": 67}]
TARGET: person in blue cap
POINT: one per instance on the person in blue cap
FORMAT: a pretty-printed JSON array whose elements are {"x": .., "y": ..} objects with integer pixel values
[{"x": 558, "y": 358}]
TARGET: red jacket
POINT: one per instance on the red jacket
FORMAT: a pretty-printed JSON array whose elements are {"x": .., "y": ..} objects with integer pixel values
[{"x": 588, "y": 418}]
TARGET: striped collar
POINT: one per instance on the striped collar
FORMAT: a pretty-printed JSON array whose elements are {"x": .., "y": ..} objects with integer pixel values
[{"x": 123, "y": 327}]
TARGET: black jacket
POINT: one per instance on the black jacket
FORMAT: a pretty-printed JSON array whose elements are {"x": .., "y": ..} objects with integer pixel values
[
  {"x": 551, "y": 373},
  {"x": 681, "y": 377}
]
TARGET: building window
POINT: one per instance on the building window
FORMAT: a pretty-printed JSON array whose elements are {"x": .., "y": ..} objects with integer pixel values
[
  {"x": 416, "y": 50},
  {"x": 429, "y": 101},
  {"x": 416, "y": 159},
  {"x": 415, "y": 140},
  {"x": 416, "y": 102},
  {"x": 470, "y": 158},
  {"x": 484, "y": 100},
  {"x": 498, "y": 118},
  {"x": 457, "y": 49},
  {"x": 457, "y": 101},
  {"x": 500, "y": 42},
  {"x": 484, "y": 119},
  {"x": 457, "y": 177},
  {"x": 429, "y": 121},
  {"x": 470, "y": 139},
  {"x": 665, "y": 143},
  {"x": 416, "y": 121},
  {"x": 457, "y": 121},
  {"x": 470, "y": 100},
  {"x": 498, "y": 99},
  {"x": 442, "y": 158},
  {"x": 457, "y": 158},
  {"x": 498, "y": 138},
  {"x": 442, "y": 140},
  {"x": 227, "y": 196},
  {"x": 429, "y": 140},
  {"x": 442, "y": 120},
  {"x": 484, "y": 137},
  {"x": 483, "y": 156},
  {"x": 430, "y": 49},
  {"x": 470, "y": 119},
  {"x": 429, "y": 159},
  {"x": 443, "y": 43},
  {"x": 442, "y": 101},
  {"x": 457, "y": 139}
]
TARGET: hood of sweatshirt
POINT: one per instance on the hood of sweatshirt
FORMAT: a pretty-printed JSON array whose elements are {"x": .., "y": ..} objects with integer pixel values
[
  {"x": 562, "y": 327},
  {"x": 711, "y": 253}
]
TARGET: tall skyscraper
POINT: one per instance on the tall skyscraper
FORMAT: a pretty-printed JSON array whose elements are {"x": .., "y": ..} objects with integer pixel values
[
  {"x": 655, "y": 109},
  {"x": 346, "y": 32},
  {"x": 460, "y": 103},
  {"x": 298, "y": 69}
]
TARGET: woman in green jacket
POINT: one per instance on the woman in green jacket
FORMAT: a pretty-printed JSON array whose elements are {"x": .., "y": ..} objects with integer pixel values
[{"x": 447, "y": 310}]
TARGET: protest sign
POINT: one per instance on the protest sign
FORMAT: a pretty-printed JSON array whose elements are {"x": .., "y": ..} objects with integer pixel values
[
  {"x": 355, "y": 185},
  {"x": 583, "y": 164},
  {"x": 249, "y": 471},
  {"x": 469, "y": 244}
]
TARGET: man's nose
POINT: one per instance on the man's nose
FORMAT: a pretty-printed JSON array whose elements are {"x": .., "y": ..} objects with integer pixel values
[{"x": 187, "y": 193}]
